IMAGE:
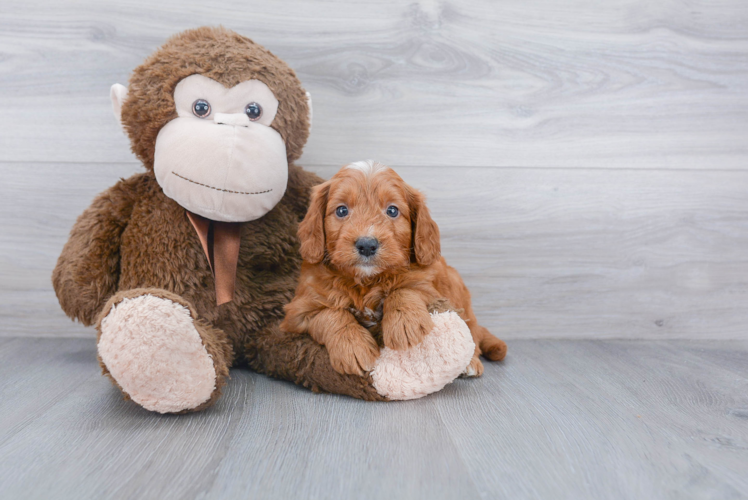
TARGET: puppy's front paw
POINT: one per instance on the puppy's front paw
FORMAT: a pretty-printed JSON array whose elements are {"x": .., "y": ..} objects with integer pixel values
[
  {"x": 353, "y": 351},
  {"x": 405, "y": 328}
]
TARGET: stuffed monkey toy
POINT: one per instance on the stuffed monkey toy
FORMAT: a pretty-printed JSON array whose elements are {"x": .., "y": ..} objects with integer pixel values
[{"x": 185, "y": 268}]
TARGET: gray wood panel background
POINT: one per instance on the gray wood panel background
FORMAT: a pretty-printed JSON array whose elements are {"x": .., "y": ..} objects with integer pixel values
[
  {"x": 586, "y": 161},
  {"x": 625, "y": 83}
]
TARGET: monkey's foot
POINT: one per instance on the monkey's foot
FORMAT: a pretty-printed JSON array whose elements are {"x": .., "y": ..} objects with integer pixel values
[
  {"x": 439, "y": 359},
  {"x": 153, "y": 350}
]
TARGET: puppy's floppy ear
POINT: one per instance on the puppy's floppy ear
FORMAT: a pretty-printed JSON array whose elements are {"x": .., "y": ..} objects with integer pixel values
[
  {"x": 312, "y": 228},
  {"x": 426, "y": 244}
]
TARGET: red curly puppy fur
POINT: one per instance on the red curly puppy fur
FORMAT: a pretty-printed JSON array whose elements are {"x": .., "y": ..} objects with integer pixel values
[{"x": 371, "y": 253}]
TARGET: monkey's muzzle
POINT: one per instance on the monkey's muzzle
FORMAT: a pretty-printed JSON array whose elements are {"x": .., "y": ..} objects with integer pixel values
[{"x": 227, "y": 169}]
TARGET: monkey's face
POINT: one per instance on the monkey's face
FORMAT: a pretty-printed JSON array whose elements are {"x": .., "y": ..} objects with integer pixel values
[
  {"x": 218, "y": 119},
  {"x": 219, "y": 157}
]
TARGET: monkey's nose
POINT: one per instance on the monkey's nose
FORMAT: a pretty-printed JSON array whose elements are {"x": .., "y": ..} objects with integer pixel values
[
  {"x": 236, "y": 119},
  {"x": 367, "y": 246}
]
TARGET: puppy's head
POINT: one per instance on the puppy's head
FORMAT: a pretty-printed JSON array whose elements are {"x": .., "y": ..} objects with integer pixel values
[{"x": 366, "y": 220}]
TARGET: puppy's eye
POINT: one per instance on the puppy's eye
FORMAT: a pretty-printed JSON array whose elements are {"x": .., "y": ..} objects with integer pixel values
[
  {"x": 392, "y": 211},
  {"x": 254, "y": 111},
  {"x": 201, "y": 108},
  {"x": 341, "y": 211}
]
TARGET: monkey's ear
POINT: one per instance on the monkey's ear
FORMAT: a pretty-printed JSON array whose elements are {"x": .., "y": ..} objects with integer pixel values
[
  {"x": 312, "y": 228},
  {"x": 118, "y": 94},
  {"x": 309, "y": 104}
]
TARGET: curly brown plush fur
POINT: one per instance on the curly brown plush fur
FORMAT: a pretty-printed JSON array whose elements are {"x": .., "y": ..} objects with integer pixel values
[{"x": 134, "y": 237}]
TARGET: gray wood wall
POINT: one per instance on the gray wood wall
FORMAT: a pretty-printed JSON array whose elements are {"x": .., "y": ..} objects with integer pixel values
[{"x": 586, "y": 161}]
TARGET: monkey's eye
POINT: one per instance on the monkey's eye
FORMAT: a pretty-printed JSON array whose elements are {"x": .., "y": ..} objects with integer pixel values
[
  {"x": 254, "y": 111},
  {"x": 392, "y": 211},
  {"x": 341, "y": 211},
  {"x": 201, "y": 108}
]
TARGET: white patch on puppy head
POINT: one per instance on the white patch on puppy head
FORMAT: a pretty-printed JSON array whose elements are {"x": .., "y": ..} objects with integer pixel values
[{"x": 368, "y": 167}]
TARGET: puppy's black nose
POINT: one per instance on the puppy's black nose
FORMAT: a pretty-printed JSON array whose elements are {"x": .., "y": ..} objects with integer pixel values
[{"x": 367, "y": 246}]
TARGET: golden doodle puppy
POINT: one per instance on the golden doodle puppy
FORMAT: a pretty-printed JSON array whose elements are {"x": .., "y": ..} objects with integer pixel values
[{"x": 372, "y": 267}]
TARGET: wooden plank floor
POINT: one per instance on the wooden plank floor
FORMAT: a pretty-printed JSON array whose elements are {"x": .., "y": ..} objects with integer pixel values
[{"x": 561, "y": 419}]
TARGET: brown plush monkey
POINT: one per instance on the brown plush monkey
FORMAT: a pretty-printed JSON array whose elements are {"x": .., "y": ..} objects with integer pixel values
[{"x": 185, "y": 268}]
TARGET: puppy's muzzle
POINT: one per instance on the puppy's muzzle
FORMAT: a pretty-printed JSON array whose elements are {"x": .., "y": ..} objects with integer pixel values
[{"x": 367, "y": 246}]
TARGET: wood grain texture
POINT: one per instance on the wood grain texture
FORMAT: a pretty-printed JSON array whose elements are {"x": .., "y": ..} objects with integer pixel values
[
  {"x": 547, "y": 253},
  {"x": 607, "y": 420},
  {"x": 558, "y": 419},
  {"x": 626, "y": 83}
]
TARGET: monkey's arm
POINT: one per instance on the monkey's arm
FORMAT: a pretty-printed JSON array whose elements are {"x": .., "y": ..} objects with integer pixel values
[
  {"x": 301, "y": 360},
  {"x": 87, "y": 272}
]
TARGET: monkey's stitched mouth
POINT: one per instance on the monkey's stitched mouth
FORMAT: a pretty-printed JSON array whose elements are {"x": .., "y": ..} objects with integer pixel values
[{"x": 218, "y": 189}]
